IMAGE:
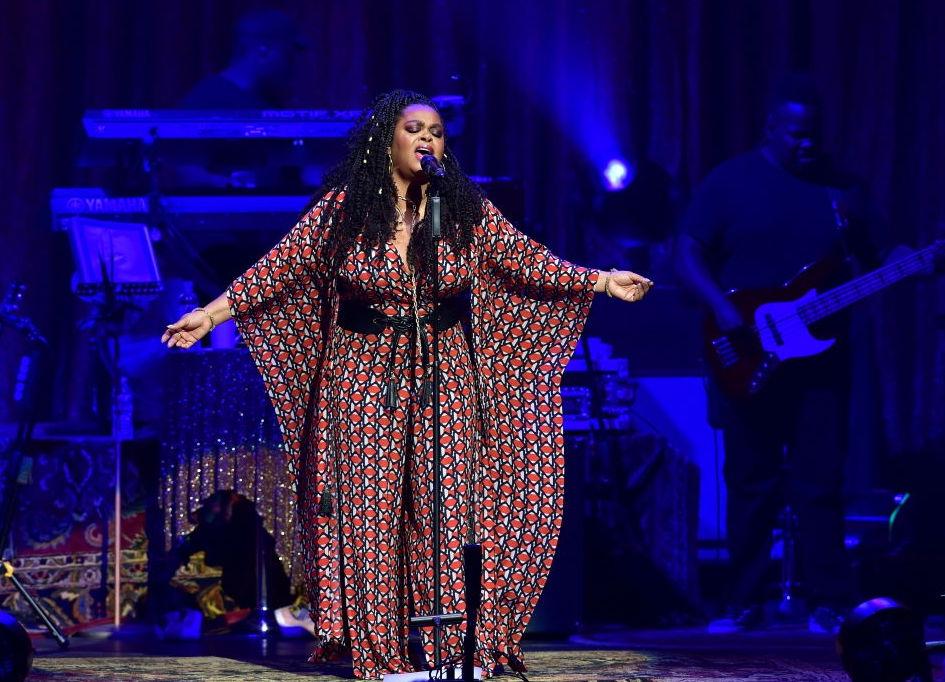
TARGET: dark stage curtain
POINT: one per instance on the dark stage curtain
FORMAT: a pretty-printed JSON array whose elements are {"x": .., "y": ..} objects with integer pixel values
[{"x": 682, "y": 80}]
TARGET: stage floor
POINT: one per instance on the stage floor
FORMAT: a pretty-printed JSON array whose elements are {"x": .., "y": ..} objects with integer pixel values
[{"x": 635, "y": 656}]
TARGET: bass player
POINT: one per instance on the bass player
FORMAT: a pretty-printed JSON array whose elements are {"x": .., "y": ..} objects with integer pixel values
[{"x": 755, "y": 221}]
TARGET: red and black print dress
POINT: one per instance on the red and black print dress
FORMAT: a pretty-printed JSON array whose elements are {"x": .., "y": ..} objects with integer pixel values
[{"x": 362, "y": 465}]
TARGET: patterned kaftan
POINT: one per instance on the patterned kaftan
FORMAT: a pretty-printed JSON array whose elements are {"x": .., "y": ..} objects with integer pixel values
[{"x": 363, "y": 469}]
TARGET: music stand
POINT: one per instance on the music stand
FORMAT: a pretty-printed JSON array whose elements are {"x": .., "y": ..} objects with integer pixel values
[
  {"x": 113, "y": 255},
  {"x": 115, "y": 266}
]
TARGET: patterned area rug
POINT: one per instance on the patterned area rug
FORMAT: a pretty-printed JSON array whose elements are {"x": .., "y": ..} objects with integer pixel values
[
  {"x": 547, "y": 666},
  {"x": 163, "y": 669}
]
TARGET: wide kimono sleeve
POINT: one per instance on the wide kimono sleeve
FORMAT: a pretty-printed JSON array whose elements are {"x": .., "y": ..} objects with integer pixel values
[
  {"x": 529, "y": 308},
  {"x": 280, "y": 306}
]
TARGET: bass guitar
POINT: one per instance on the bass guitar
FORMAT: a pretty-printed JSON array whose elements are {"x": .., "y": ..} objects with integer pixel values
[{"x": 742, "y": 360}]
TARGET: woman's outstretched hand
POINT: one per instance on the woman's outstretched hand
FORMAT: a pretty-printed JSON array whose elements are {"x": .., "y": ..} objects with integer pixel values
[
  {"x": 623, "y": 284},
  {"x": 188, "y": 330}
]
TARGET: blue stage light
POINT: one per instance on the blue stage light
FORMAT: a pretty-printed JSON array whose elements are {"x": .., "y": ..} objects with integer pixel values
[{"x": 618, "y": 174}]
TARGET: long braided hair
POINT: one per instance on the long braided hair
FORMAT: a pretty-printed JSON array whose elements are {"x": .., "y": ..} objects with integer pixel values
[{"x": 369, "y": 207}]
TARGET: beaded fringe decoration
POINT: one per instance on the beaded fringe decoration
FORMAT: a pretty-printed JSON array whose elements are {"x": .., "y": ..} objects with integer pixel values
[{"x": 220, "y": 433}]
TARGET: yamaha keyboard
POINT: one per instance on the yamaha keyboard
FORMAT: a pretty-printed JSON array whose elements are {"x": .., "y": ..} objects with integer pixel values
[
  {"x": 189, "y": 213},
  {"x": 189, "y": 124},
  {"x": 171, "y": 124}
]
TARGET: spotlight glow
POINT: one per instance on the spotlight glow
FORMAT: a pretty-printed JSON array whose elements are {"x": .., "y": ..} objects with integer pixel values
[{"x": 617, "y": 175}]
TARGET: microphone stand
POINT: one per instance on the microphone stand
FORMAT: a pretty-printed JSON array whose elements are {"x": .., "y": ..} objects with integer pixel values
[
  {"x": 472, "y": 552},
  {"x": 19, "y": 457}
]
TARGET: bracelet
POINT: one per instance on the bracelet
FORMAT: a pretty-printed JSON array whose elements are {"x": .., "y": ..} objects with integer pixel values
[
  {"x": 606, "y": 277},
  {"x": 213, "y": 325},
  {"x": 607, "y": 283}
]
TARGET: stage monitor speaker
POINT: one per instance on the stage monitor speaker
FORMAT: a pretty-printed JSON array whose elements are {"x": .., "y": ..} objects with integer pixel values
[{"x": 675, "y": 407}]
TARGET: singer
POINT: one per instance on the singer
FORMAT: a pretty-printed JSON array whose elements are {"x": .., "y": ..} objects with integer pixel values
[{"x": 338, "y": 317}]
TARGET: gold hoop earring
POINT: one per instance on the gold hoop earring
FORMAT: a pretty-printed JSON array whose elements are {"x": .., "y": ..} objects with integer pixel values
[{"x": 390, "y": 163}]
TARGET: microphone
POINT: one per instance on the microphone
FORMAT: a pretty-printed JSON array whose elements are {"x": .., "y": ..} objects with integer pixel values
[{"x": 432, "y": 167}]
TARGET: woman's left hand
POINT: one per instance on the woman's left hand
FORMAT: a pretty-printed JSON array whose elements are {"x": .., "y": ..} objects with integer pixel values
[{"x": 625, "y": 285}]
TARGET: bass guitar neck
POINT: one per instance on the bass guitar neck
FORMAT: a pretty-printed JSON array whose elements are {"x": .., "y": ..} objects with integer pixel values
[{"x": 743, "y": 360}]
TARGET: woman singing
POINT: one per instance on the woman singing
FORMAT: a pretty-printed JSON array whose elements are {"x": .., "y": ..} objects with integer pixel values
[{"x": 338, "y": 317}]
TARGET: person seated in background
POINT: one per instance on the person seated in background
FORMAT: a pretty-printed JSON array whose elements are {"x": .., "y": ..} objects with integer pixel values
[
  {"x": 259, "y": 75},
  {"x": 265, "y": 46}
]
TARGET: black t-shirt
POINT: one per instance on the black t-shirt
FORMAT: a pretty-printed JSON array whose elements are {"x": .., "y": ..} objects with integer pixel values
[
  {"x": 759, "y": 224},
  {"x": 219, "y": 92}
]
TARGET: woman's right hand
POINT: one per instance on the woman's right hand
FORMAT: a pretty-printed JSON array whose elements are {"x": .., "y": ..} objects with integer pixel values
[{"x": 188, "y": 330}]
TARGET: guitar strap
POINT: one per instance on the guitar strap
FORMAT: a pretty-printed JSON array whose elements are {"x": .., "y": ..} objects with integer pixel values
[{"x": 841, "y": 217}]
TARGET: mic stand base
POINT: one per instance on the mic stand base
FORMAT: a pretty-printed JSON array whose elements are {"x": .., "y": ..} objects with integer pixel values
[
  {"x": 262, "y": 621},
  {"x": 424, "y": 675}
]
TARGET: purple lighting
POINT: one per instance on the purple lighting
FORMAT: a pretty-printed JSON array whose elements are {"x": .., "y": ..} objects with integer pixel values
[{"x": 617, "y": 175}]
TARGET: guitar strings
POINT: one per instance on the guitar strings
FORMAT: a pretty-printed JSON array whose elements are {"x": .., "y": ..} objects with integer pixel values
[{"x": 849, "y": 292}]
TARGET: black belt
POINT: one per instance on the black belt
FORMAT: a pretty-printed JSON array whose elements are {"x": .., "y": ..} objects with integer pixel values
[{"x": 363, "y": 319}]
